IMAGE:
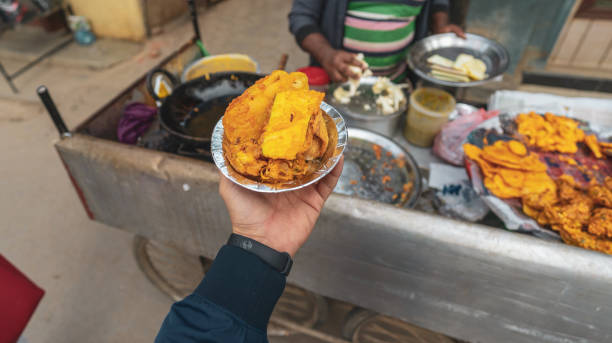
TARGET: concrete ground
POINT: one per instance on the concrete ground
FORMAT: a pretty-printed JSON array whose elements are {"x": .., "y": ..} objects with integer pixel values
[{"x": 94, "y": 289}]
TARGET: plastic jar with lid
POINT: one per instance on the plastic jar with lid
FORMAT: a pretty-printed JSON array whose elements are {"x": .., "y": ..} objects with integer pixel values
[{"x": 429, "y": 110}]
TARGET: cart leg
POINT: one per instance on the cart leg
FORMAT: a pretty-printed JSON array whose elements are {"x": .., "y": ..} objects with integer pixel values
[{"x": 8, "y": 79}]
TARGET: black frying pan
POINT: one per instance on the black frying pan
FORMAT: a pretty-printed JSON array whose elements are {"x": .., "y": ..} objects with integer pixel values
[{"x": 192, "y": 110}]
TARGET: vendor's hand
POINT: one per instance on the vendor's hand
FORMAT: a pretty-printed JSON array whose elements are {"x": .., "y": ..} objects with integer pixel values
[
  {"x": 440, "y": 24},
  {"x": 337, "y": 62},
  {"x": 282, "y": 221},
  {"x": 451, "y": 28}
]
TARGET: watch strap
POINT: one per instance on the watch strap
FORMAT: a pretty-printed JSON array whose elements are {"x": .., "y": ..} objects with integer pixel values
[{"x": 281, "y": 261}]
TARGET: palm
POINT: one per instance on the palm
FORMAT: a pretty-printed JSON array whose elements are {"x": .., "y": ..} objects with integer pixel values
[{"x": 282, "y": 221}]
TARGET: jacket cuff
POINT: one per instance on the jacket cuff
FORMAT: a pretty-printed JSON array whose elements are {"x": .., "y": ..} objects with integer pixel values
[
  {"x": 304, "y": 31},
  {"x": 243, "y": 284}
]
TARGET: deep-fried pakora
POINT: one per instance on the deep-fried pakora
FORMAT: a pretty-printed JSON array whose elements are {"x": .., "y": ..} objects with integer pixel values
[
  {"x": 275, "y": 131},
  {"x": 601, "y": 222}
]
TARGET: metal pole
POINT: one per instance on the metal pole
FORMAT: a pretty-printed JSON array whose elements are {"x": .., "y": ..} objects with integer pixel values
[
  {"x": 42, "y": 57},
  {"x": 194, "y": 19},
  {"x": 8, "y": 79},
  {"x": 45, "y": 97}
]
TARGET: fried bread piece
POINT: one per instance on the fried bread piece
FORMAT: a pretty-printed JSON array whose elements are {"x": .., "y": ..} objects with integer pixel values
[
  {"x": 285, "y": 134},
  {"x": 247, "y": 115}
]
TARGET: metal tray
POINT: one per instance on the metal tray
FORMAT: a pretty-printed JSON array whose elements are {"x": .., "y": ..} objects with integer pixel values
[
  {"x": 448, "y": 45},
  {"x": 363, "y": 172}
]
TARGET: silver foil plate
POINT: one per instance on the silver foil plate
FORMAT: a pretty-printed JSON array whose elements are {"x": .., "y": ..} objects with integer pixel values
[{"x": 327, "y": 165}]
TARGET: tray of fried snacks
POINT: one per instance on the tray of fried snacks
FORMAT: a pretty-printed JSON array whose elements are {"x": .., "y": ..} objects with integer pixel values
[
  {"x": 545, "y": 174},
  {"x": 278, "y": 135}
]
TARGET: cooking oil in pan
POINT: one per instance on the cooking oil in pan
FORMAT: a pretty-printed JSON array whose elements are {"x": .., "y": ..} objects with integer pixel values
[{"x": 201, "y": 120}]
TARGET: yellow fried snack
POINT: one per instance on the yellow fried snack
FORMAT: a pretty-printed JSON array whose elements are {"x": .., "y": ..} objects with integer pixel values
[
  {"x": 317, "y": 137},
  {"x": 500, "y": 153},
  {"x": 517, "y": 148},
  {"x": 601, "y": 223},
  {"x": 285, "y": 134},
  {"x": 591, "y": 142},
  {"x": 275, "y": 131},
  {"x": 247, "y": 115},
  {"x": 574, "y": 213},
  {"x": 550, "y": 132},
  {"x": 508, "y": 170}
]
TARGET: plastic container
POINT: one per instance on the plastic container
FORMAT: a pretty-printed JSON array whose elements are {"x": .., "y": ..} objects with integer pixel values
[
  {"x": 219, "y": 63},
  {"x": 317, "y": 78},
  {"x": 429, "y": 110}
]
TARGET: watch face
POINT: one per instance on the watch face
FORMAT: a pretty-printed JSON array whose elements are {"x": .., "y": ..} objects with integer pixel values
[{"x": 246, "y": 245}]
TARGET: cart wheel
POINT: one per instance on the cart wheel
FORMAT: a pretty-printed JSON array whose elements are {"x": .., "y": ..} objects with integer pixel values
[
  {"x": 172, "y": 271},
  {"x": 177, "y": 274},
  {"x": 301, "y": 307},
  {"x": 363, "y": 326}
]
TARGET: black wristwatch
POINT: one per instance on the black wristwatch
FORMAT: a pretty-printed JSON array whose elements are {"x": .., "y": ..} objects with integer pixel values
[{"x": 280, "y": 261}]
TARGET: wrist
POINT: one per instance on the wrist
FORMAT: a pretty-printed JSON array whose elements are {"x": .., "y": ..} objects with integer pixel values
[
  {"x": 327, "y": 57},
  {"x": 256, "y": 235},
  {"x": 280, "y": 261},
  {"x": 440, "y": 20}
]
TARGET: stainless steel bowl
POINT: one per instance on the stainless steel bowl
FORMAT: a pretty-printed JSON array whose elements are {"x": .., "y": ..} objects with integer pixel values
[
  {"x": 448, "y": 45},
  {"x": 357, "y": 116},
  {"x": 364, "y": 172},
  {"x": 333, "y": 153}
]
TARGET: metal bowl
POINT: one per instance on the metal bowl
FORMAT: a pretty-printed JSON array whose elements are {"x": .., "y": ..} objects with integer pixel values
[
  {"x": 357, "y": 116},
  {"x": 363, "y": 173},
  {"x": 333, "y": 156},
  {"x": 448, "y": 45}
]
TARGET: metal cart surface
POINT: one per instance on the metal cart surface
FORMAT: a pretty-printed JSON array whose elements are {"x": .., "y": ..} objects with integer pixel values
[{"x": 468, "y": 281}]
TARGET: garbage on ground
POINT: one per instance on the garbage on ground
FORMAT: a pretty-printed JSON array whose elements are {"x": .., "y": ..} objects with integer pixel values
[{"x": 81, "y": 29}]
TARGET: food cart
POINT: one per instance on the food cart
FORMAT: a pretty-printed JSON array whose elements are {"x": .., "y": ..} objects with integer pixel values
[{"x": 469, "y": 281}]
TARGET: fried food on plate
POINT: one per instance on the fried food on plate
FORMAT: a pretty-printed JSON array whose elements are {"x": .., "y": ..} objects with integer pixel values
[
  {"x": 550, "y": 132},
  {"x": 285, "y": 134},
  {"x": 601, "y": 222},
  {"x": 593, "y": 144},
  {"x": 275, "y": 131},
  {"x": 601, "y": 195},
  {"x": 575, "y": 213},
  {"x": 509, "y": 171}
]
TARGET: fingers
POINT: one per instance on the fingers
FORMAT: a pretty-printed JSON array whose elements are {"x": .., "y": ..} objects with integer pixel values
[
  {"x": 457, "y": 30},
  {"x": 327, "y": 184},
  {"x": 336, "y": 76},
  {"x": 346, "y": 71}
]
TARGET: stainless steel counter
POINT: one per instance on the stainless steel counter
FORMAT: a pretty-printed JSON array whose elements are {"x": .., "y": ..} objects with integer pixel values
[{"x": 465, "y": 280}]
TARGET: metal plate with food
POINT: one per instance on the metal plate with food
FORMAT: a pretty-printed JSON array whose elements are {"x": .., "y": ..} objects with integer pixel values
[
  {"x": 445, "y": 59},
  {"x": 545, "y": 174},
  {"x": 318, "y": 167},
  {"x": 376, "y": 105},
  {"x": 377, "y": 168}
]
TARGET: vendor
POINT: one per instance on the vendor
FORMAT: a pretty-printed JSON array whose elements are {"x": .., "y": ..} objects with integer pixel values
[{"x": 334, "y": 31}]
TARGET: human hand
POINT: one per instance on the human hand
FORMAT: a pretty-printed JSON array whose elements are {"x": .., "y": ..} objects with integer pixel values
[
  {"x": 441, "y": 25},
  {"x": 282, "y": 221},
  {"x": 337, "y": 64},
  {"x": 451, "y": 28}
]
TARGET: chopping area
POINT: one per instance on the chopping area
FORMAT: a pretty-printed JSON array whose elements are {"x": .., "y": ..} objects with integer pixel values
[{"x": 449, "y": 222}]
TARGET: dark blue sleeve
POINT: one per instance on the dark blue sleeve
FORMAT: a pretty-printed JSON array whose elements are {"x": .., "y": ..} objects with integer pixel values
[{"x": 232, "y": 304}]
